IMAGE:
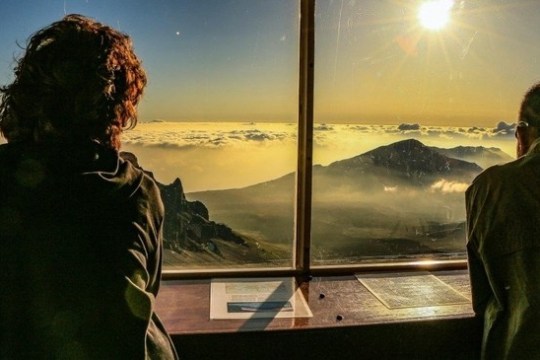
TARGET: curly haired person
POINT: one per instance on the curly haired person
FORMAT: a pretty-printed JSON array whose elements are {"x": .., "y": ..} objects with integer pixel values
[{"x": 80, "y": 227}]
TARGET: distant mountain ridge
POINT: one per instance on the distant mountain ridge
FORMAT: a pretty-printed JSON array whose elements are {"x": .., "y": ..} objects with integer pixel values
[
  {"x": 402, "y": 198},
  {"x": 407, "y": 160},
  {"x": 404, "y": 166},
  {"x": 264, "y": 212},
  {"x": 484, "y": 157}
]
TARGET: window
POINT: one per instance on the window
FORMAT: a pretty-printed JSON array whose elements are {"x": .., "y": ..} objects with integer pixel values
[
  {"x": 411, "y": 99},
  {"x": 221, "y": 114}
]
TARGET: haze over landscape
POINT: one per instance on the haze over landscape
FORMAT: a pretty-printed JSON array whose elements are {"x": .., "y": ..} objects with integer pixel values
[{"x": 382, "y": 191}]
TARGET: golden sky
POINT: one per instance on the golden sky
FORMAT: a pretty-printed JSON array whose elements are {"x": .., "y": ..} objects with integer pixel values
[
  {"x": 377, "y": 61},
  {"x": 388, "y": 67}
]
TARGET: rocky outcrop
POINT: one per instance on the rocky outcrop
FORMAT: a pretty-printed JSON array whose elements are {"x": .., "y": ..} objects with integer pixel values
[{"x": 187, "y": 224}]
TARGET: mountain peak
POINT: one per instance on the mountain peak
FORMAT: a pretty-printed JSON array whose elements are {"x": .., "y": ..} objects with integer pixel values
[
  {"x": 407, "y": 144},
  {"x": 411, "y": 147},
  {"x": 409, "y": 159}
]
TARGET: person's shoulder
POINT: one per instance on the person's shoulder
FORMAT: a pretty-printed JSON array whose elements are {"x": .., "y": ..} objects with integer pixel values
[
  {"x": 149, "y": 184},
  {"x": 131, "y": 164},
  {"x": 142, "y": 181},
  {"x": 501, "y": 171},
  {"x": 496, "y": 175}
]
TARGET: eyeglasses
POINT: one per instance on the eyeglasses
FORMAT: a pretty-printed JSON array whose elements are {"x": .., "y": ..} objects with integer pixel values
[
  {"x": 520, "y": 127},
  {"x": 522, "y": 124}
]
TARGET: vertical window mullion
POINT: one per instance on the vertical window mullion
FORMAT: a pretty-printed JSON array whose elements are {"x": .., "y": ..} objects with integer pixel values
[{"x": 305, "y": 136}]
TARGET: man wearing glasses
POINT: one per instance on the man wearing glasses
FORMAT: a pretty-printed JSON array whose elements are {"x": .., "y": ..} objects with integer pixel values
[{"x": 503, "y": 230}]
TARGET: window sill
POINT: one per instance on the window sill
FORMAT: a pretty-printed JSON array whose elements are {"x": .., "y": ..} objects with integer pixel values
[
  {"x": 184, "y": 307},
  {"x": 368, "y": 330}
]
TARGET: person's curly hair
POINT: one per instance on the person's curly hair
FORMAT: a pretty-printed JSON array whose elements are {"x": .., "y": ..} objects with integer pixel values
[{"x": 78, "y": 80}]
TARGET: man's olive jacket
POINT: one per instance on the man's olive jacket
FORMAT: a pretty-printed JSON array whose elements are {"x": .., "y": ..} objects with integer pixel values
[{"x": 503, "y": 228}]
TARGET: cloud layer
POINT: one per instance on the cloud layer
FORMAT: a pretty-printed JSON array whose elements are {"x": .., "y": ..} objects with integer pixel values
[
  {"x": 213, "y": 135},
  {"x": 208, "y": 135},
  {"x": 226, "y": 155}
]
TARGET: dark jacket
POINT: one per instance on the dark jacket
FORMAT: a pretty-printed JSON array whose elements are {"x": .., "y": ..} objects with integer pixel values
[
  {"x": 503, "y": 228},
  {"x": 80, "y": 233}
]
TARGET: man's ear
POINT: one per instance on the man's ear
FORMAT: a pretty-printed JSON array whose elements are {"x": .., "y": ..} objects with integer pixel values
[{"x": 524, "y": 137}]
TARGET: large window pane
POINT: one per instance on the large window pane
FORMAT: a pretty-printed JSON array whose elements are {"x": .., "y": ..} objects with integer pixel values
[
  {"x": 412, "y": 100},
  {"x": 217, "y": 122}
]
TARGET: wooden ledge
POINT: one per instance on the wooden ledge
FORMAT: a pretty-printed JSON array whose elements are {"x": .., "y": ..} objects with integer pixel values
[{"x": 184, "y": 307}]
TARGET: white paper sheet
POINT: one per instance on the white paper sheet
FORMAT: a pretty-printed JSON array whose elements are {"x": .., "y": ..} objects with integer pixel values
[{"x": 257, "y": 298}]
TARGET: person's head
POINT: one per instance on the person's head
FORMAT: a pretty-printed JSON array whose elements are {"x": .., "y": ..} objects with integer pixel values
[
  {"x": 528, "y": 126},
  {"x": 78, "y": 80}
]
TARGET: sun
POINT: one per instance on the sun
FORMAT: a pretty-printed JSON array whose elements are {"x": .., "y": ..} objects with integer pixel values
[{"x": 435, "y": 14}]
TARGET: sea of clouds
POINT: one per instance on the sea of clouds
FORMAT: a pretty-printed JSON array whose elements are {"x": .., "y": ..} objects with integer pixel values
[
  {"x": 207, "y": 155},
  {"x": 193, "y": 134}
]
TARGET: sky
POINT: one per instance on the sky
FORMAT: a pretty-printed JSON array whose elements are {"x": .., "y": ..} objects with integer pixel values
[{"x": 376, "y": 63}]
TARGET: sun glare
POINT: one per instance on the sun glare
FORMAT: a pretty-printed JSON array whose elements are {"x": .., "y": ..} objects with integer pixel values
[{"x": 435, "y": 14}]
